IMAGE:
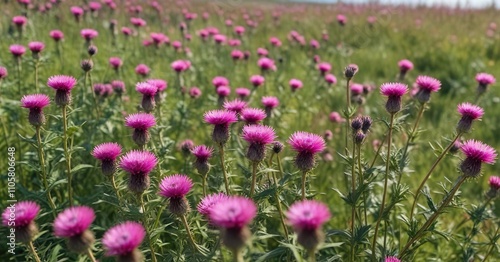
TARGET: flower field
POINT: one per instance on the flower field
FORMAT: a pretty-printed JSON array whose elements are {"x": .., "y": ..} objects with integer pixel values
[{"x": 248, "y": 131}]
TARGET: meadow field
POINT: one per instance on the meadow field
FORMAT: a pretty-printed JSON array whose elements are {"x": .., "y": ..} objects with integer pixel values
[{"x": 248, "y": 131}]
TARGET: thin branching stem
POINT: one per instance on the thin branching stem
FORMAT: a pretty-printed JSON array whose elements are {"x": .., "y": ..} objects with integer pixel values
[
  {"x": 33, "y": 251},
  {"x": 43, "y": 169},
  {"x": 90, "y": 255},
  {"x": 67, "y": 154},
  {"x": 188, "y": 231},
  {"x": 145, "y": 223},
  {"x": 223, "y": 167},
  {"x": 411, "y": 136},
  {"x": 254, "y": 178}
]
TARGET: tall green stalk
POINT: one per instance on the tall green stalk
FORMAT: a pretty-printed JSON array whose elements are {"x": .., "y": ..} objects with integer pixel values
[
  {"x": 43, "y": 169},
  {"x": 384, "y": 195},
  {"x": 145, "y": 223},
  {"x": 412, "y": 136},
  {"x": 188, "y": 231},
  {"x": 33, "y": 251},
  {"x": 223, "y": 166},
  {"x": 67, "y": 154},
  {"x": 254, "y": 178}
]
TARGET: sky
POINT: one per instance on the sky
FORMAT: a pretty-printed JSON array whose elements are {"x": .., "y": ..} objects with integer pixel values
[{"x": 463, "y": 3}]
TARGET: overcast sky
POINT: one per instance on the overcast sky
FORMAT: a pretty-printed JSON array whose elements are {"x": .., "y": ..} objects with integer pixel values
[{"x": 468, "y": 3}]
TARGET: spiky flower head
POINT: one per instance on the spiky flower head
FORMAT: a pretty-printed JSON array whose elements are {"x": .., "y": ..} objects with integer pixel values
[
  {"x": 394, "y": 92},
  {"x": 476, "y": 153},
  {"x": 350, "y": 71},
  {"x": 221, "y": 119},
  {"x": 235, "y": 105},
  {"x": 469, "y": 113},
  {"x": 206, "y": 203},
  {"x": 426, "y": 85},
  {"x": 220, "y": 81},
  {"x": 307, "y": 218},
  {"x": 306, "y": 145},
  {"x": 257, "y": 80},
  {"x": 35, "y": 103},
  {"x": 63, "y": 85},
  {"x": 405, "y": 65},
  {"x": 252, "y": 115},
  {"x": 21, "y": 216},
  {"x": 258, "y": 137},
  {"x": 392, "y": 259},
  {"x": 494, "y": 182},
  {"x": 107, "y": 154},
  {"x": 123, "y": 240},
  {"x": 175, "y": 188},
  {"x": 138, "y": 164},
  {"x": 202, "y": 153}
]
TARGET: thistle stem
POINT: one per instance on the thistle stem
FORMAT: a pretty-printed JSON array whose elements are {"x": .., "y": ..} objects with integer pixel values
[
  {"x": 36, "y": 76},
  {"x": 348, "y": 120},
  {"x": 112, "y": 178},
  {"x": 412, "y": 136},
  {"x": 435, "y": 215},
  {"x": 188, "y": 231},
  {"x": 278, "y": 205},
  {"x": 386, "y": 178},
  {"x": 226, "y": 180},
  {"x": 43, "y": 169},
  {"x": 311, "y": 254},
  {"x": 304, "y": 176},
  {"x": 67, "y": 154},
  {"x": 33, "y": 251},
  {"x": 90, "y": 255},
  {"x": 204, "y": 185},
  {"x": 145, "y": 223},
  {"x": 254, "y": 178},
  {"x": 353, "y": 188},
  {"x": 361, "y": 182},
  {"x": 492, "y": 246},
  {"x": 237, "y": 256},
  {"x": 440, "y": 157}
]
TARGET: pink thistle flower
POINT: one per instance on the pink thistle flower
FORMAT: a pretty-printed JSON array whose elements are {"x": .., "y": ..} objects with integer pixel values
[
  {"x": 356, "y": 89},
  {"x": 138, "y": 164},
  {"x": 76, "y": 11},
  {"x": 202, "y": 153},
  {"x": 19, "y": 21},
  {"x": 36, "y": 47},
  {"x": 194, "y": 92},
  {"x": 234, "y": 42},
  {"x": 115, "y": 62},
  {"x": 126, "y": 31},
  {"x": 175, "y": 188},
  {"x": 123, "y": 240},
  {"x": 252, "y": 116},
  {"x": 35, "y": 103},
  {"x": 341, "y": 19},
  {"x": 266, "y": 64},
  {"x": 295, "y": 84},
  {"x": 392, "y": 259},
  {"x": 177, "y": 45},
  {"x": 107, "y": 154},
  {"x": 142, "y": 70},
  {"x": 394, "y": 92},
  {"x": 94, "y": 6},
  {"x": 336, "y": 118},
  {"x": 220, "y": 81},
  {"x": 57, "y": 35},
  {"x": 63, "y": 85},
  {"x": 148, "y": 92},
  {"x": 138, "y": 22},
  {"x": 494, "y": 182},
  {"x": 235, "y": 105},
  {"x": 275, "y": 41},
  {"x": 237, "y": 55},
  {"x": 258, "y": 137},
  {"x": 485, "y": 79},
  {"x": 307, "y": 218},
  {"x": 141, "y": 122},
  {"x": 17, "y": 50},
  {"x": 350, "y": 71},
  {"x": 306, "y": 145},
  {"x": 228, "y": 22},
  {"x": 118, "y": 86},
  {"x": 330, "y": 79},
  {"x": 405, "y": 65},
  {"x": 21, "y": 216},
  {"x": 262, "y": 52},
  {"x": 73, "y": 221},
  {"x": 314, "y": 44},
  {"x": 233, "y": 212},
  {"x": 371, "y": 20},
  {"x": 223, "y": 92},
  {"x": 476, "y": 153},
  {"x": 469, "y": 113},
  {"x": 219, "y": 39},
  {"x": 242, "y": 92},
  {"x": 426, "y": 85},
  {"x": 324, "y": 68},
  {"x": 239, "y": 30},
  {"x": 89, "y": 34},
  {"x": 270, "y": 102},
  {"x": 257, "y": 80},
  {"x": 206, "y": 203},
  {"x": 180, "y": 65},
  {"x": 221, "y": 119},
  {"x": 3, "y": 72}
]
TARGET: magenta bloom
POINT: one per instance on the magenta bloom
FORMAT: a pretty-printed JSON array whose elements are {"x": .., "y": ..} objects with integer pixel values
[
  {"x": 330, "y": 79},
  {"x": 392, "y": 259},
  {"x": 394, "y": 92},
  {"x": 123, "y": 239},
  {"x": 19, "y": 21},
  {"x": 146, "y": 88},
  {"x": 221, "y": 119},
  {"x": 262, "y": 52},
  {"x": 180, "y": 65},
  {"x": 115, "y": 62},
  {"x": 175, "y": 186},
  {"x": 223, "y": 91},
  {"x": 137, "y": 22},
  {"x": 270, "y": 102},
  {"x": 405, "y": 66},
  {"x": 73, "y": 221},
  {"x": 126, "y": 31},
  {"x": 107, "y": 154},
  {"x": 341, "y": 19},
  {"x": 220, "y": 81},
  {"x": 485, "y": 79},
  {"x": 36, "y": 47},
  {"x": 141, "y": 122},
  {"x": 17, "y": 50},
  {"x": 252, "y": 115},
  {"x": 202, "y": 153},
  {"x": 494, "y": 182},
  {"x": 266, "y": 64},
  {"x": 239, "y": 30},
  {"x": 335, "y": 117},
  {"x": 142, "y": 70},
  {"x": 63, "y": 85},
  {"x": 295, "y": 84},
  {"x": 469, "y": 113},
  {"x": 3, "y": 72},
  {"x": 35, "y": 103},
  {"x": 257, "y": 80},
  {"x": 306, "y": 145},
  {"x": 57, "y": 35},
  {"x": 242, "y": 92},
  {"x": 356, "y": 89},
  {"x": 233, "y": 212},
  {"x": 258, "y": 137},
  {"x": 237, "y": 54},
  {"x": 275, "y": 41},
  {"x": 324, "y": 68},
  {"x": 89, "y": 34},
  {"x": 476, "y": 153},
  {"x": 22, "y": 215},
  {"x": 138, "y": 164},
  {"x": 307, "y": 215},
  {"x": 76, "y": 11},
  {"x": 194, "y": 92},
  {"x": 426, "y": 85},
  {"x": 235, "y": 105},
  {"x": 206, "y": 203},
  {"x": 219, "y": 39}
]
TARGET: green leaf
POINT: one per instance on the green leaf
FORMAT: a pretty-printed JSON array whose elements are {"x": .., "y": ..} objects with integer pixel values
[{"x": 81, "y": 166}]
